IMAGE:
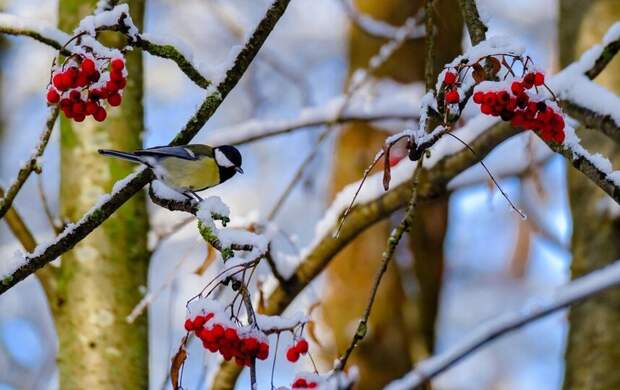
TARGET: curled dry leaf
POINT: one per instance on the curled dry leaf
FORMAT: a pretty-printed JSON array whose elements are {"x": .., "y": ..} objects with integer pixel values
[
  {"x": 478, "y": 74},
  {"x": 177, "y": 364},
  {"x": 494, "y": 65}
]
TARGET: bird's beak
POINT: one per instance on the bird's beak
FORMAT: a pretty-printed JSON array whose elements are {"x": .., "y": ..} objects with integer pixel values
[{"x": 238, "y": 169}]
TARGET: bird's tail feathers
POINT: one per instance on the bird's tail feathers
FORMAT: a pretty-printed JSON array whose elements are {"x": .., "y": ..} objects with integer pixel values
[{"x": 119, "y": 154}]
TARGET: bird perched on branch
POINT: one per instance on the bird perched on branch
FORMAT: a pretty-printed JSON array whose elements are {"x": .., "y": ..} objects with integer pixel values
[{"x": 187, "y": 168}]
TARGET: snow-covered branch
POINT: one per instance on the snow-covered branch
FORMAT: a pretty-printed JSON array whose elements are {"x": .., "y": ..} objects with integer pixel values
[
  {"x": 20, "y": 268},
  {"x": 574, "y": 292},
  {"x": 380, "y": 29},
  {"x": 51, "y": 36},
  {"x": 30, "y": 165},
  {"x": 254, "y": 130}
]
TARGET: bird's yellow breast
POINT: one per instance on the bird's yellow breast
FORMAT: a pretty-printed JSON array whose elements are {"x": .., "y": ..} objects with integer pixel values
[{"x": 191, "y": 175}]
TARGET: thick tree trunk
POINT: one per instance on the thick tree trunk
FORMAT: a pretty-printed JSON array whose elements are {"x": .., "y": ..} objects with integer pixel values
[
  {"x": 401, "y": 327},
  {"x": 593, "y": 350},
  {"x": 101, "y": 279}
]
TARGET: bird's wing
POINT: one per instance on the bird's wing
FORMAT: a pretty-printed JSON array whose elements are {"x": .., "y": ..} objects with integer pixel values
[{"x": 168, "y": 151}]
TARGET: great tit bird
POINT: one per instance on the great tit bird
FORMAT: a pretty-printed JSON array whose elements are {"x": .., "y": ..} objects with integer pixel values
[{"x": 187, "y": 168}]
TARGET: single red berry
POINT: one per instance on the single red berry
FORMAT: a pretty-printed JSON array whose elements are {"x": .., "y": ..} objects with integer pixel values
[
  {"x": 189, "y": 325},
  {"x": 486, "y": 109},
  {"x": 478, "y": 97},
  {"x": 218, "y": 331},
  {"x": 59, "y": 82},
  {"x": 292, "y": 355},
  {"x": 516, "y": 88},
  {"x": 117, "y": 64},
  {"x": 114, "y": 99},
  {"x": 528, "y": 80},
  {"x": 503, "y": 97},
  {"x": 539, "y": 78},
  {"x": 522, "y": 100},
  {"x": 558, "y": 137},
  {"x": 116, "y": 75},
  {"x": 79, "y": 117},
  {"x": 91, "y": 107},
  {"x": 100, "y": 116},
  {"x": 75, "y": 95},
  {"x": 52, "y": 96},
  {"x": 199, "y": 321},
  {"x": 209, "y": 316},
  {"x": 120, "y": 84},
  {"x": 489, "y": 98},
  {"x": 79, "y": 107},
  {"x": 88, "y": 66},
  {"x": 250, "y": 344},
  {"x": 111, "y": 86},
  {"x": 231, "y": 334},
  {"x": 263, "y": 351},
  {"x": 302, "y": 346},
  {"x": 81, "y": 80},
  {"x": 449, "y": 78},
  {"x": 94, "y": 76},
  {"x": 65, "y": 103},
  {"x": 300, "y": 383},
  {"x": 452, "y": 97}
]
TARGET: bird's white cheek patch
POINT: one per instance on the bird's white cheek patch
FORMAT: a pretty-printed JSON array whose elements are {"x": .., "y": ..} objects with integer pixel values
[{"x": 222, "y": 160}]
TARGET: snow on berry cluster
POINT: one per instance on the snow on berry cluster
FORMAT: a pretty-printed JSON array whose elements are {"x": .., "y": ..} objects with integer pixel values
[
  {"x": 219, "y": 334},
  {"x": 83, "y": 83},
  {"x": 299, "y": 348},
  {"x": 521, "y": 104}
]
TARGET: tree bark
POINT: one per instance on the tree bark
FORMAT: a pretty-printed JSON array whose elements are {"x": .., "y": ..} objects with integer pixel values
[
  {"x": 593, "y": 349},
  {"x": 401, "y": 326},
  {"x": 101, "y": 279}
]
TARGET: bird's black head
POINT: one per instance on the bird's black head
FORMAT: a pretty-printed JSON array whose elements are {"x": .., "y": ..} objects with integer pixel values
[{"x": 228, "y": 160}]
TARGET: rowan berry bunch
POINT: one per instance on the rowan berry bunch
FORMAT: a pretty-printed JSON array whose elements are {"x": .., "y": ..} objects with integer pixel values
[
  {"x": 518, "y": 104},
  {"x": 219, "y": 334},
  {"x": 297, "y": 349},
  {"x": 83, "y": 83}
]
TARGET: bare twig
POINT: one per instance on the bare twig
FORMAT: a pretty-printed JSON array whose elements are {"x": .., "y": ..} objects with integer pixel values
[
  {"x": 393, "y": 240},
  {"x": 30, "y": 165}
]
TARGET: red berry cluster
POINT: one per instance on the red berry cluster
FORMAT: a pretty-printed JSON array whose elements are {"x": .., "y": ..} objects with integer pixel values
[
  {"x": 82, "y": 83},
  {"x": 228, "y": 340},
  {"x": 300, "y": 348},
  {"x": 301, "y": 383},
  {"x": 522, "y": 111},
  {"x": 451, "y": 95}
]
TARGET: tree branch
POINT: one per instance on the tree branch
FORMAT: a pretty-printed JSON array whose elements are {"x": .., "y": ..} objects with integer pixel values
[
  {"x": 126, "y": 188},
  {"x": 254, "y": 130},
  {"x": 477, "y": 29},
  {"x": 51, "y": 36},
  {"x": 575, "y": 291},
  {"x": 26, "y": 169}
]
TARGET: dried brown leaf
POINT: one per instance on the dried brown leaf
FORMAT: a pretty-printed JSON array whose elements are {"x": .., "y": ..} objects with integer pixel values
[
  {"x": 177, "y": 364},
  {"x": 494, "y": 65},
  {"x": 478, "y": 74}
]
